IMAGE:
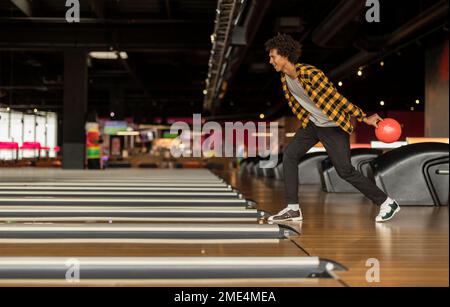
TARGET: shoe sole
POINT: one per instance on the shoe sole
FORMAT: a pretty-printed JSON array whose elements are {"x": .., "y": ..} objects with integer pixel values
[{"x": 395, "y": 212}]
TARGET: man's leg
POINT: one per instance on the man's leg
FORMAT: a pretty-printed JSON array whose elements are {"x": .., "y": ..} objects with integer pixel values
[
  {"x": 303, "y": 140},
  {"x": 337, "y": 144}
]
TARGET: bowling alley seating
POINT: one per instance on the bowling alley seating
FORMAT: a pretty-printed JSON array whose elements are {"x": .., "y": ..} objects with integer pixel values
[
  {"x": 249, "y": 167},
  {"x": 360, "y": 158},
  {"x": 269, "y": 172},
  {"x": 246, "y": 166},
  {"x": 31, "y": 149},
  {"x": 9, "y": 151},
  {"x": 252, "y": 166},
  {"x": 256, "y": 170},
  {"x": 46, "y": 151},
  {"x": 29, "y": 153},
  {"x": 242, "y": 164},
  {"x": 264, "y": 167},
  {"x": 436, "y": 174},
  {"x": 415, "y": 174}
]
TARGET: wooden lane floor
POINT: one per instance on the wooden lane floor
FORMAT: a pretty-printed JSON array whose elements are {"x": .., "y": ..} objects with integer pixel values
[
  {"x": 412, "y": 249},
  {"x": 274, "y": 248}
]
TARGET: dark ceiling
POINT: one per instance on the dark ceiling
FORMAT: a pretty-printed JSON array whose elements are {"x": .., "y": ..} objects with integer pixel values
[{"x": 168, "y": 45}]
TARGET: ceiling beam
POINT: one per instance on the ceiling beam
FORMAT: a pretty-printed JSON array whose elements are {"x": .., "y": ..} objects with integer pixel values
[
  {"x": 98, "y": 7},
  {"x": 101, "y": 37},
  {"x": 385, "y": 44},
  {"x": 342, "y": 15},
  {"x": 124, "y": 21},
  {"x": 168, "y": 9},
  {"x": 25, "y": 6}
]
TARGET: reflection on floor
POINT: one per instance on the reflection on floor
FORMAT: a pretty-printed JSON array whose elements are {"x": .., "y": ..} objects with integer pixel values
[{"x": 410, "y": 250}]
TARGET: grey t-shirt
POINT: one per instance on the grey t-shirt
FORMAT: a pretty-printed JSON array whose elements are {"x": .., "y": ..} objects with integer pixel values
[{"x": 317, "y": 116}]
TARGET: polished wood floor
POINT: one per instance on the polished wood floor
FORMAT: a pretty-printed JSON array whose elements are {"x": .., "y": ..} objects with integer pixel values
[{"x": 412, "y": 249}]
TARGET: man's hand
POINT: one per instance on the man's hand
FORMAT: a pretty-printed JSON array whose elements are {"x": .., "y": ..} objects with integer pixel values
[{"x": 373, "y": 120}]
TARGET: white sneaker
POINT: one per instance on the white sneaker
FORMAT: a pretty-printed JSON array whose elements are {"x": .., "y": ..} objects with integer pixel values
[
  {"x": 287, "y": 214},
  {"x": 387, "y": 211}
]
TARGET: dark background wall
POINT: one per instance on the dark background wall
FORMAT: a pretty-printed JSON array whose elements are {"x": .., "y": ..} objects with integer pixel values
[{"x": 436, "y": 89}]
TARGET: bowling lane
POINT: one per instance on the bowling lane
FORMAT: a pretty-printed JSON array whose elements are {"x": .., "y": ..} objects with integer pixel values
[
  {"x": 128, "y": 214},
  {"x": 46, "y": 174},
  {"x": 20, "y": 187}
]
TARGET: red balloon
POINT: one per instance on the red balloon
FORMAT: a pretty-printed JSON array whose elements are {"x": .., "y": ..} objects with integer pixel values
[{"x": 388, "y": 131}]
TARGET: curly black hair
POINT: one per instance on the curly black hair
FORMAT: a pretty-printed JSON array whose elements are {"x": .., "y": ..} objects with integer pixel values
[{"x": 286, "y": 46}]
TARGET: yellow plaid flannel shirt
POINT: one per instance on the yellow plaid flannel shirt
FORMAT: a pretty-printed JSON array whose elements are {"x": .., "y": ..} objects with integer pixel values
[{"x": 324, "y": 95}]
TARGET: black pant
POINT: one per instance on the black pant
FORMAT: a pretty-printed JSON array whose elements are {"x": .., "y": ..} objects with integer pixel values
[{"x": 337, "y": 144}]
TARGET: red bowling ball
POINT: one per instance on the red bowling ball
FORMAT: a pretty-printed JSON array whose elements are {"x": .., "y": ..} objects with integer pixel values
[{"x": 389, "y": 130}]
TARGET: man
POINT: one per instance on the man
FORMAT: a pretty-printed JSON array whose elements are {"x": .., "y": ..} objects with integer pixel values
[{"x": 325, "y": 116}]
